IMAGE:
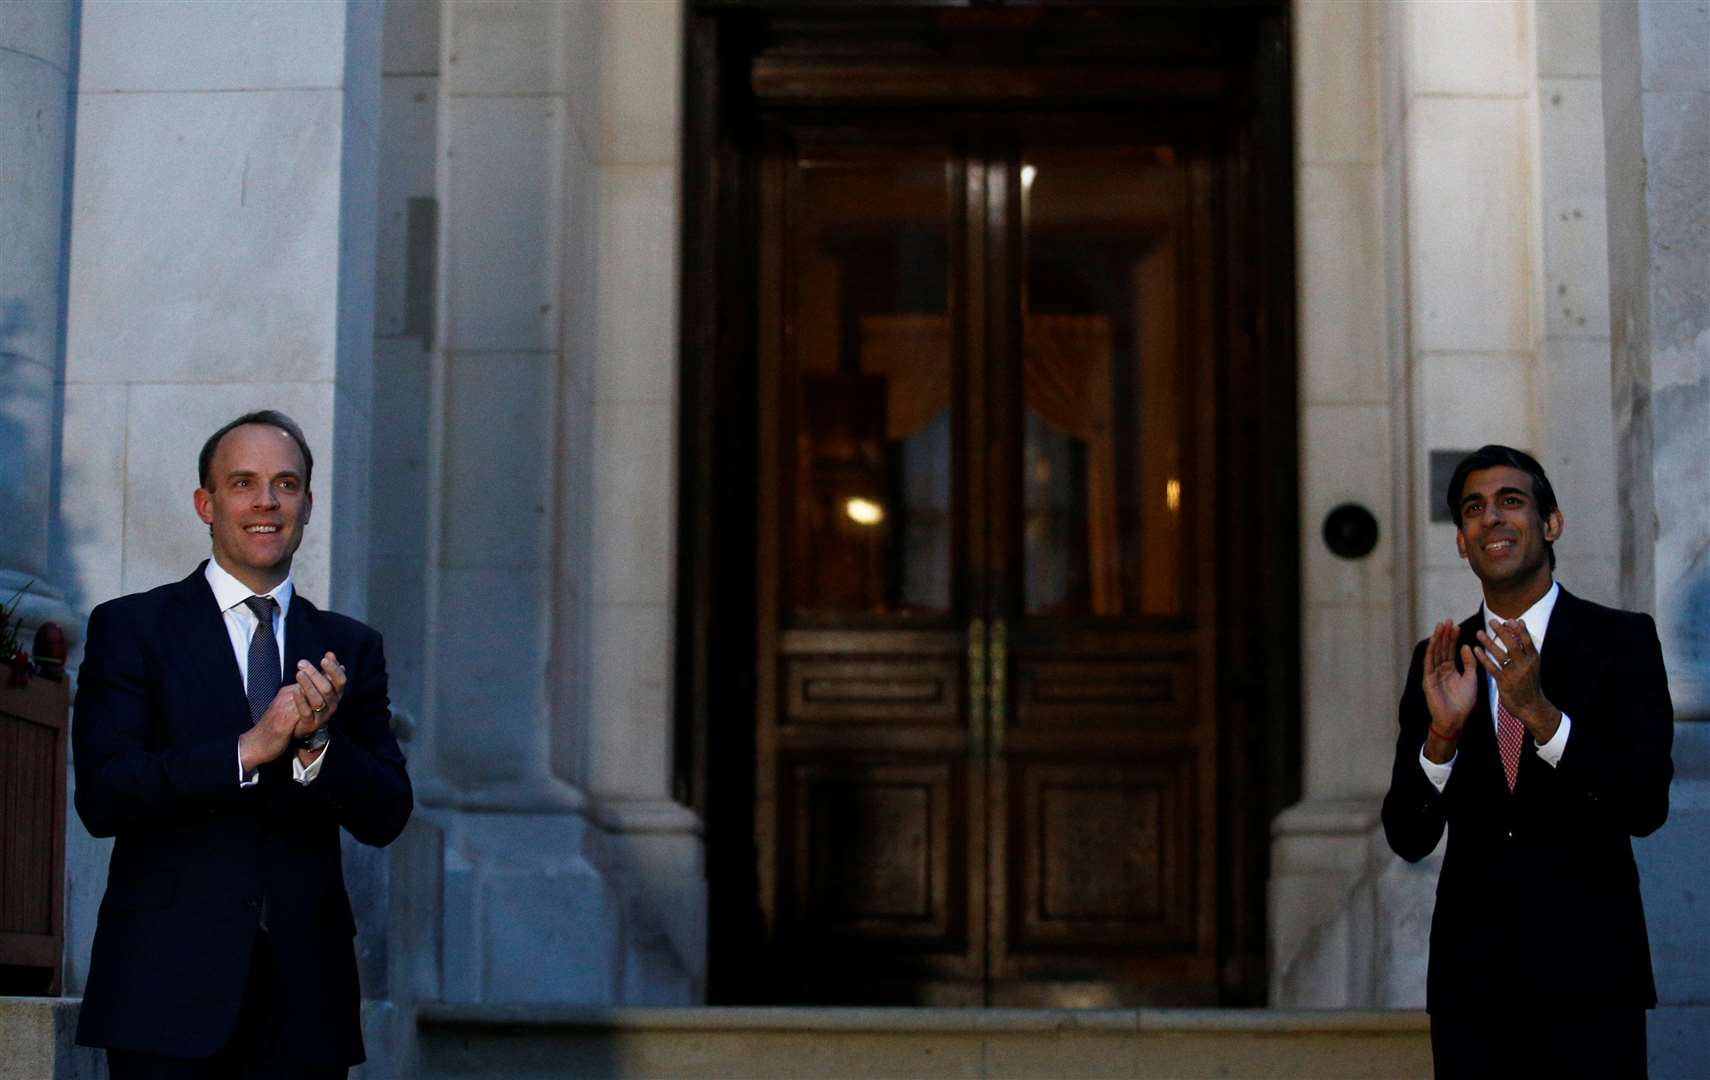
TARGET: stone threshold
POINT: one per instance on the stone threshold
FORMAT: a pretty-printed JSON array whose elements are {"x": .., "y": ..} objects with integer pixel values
[{"x": 970, "y": 1021}]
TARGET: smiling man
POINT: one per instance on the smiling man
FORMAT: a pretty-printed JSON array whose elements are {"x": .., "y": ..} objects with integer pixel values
[
  {"x": 1538, "y": 733},
  {"x": 225, "y": 729}
]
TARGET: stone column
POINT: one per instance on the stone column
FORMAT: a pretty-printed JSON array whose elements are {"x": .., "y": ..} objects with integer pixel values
[
  {"x": 221, "y": 260},
  {"x": 650, "y": 841},
  {"x": 570, "y": 874},
  {"x": 527, "y": 917},
  {"x": 35, "y": 61},
  {"x": 493, "y": 377},
  {"x": 1656, "y": 74},
  {"x": 1348, "y": 355},
  {"x": 1658, "y": 124},
  {"x": 1576, "y": 440}
]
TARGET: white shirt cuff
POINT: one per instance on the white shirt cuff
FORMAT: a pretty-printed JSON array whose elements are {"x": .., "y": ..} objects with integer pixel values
[
  {"x": 1552, "y": 751},
  {"x": 1437, "y": 774},
  {"x": 305, "y": 774},
  {"x": 249, "y": 780}
]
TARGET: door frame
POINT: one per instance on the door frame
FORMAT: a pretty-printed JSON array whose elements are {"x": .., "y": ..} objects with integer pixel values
[{"x": 739, "y": 50}]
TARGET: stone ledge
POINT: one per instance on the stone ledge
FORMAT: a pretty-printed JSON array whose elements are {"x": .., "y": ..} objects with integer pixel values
[
  {"x": 905, "y": 1020},
  {"x": 36, "y": 1041}
]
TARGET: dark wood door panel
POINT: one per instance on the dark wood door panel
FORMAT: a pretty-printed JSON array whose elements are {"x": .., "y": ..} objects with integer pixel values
[
  {"x": 1093, "y": 346},
  {"x": 1102, "y": 855},
  {"x": 876, "y": 858},
  {"x": 882, "y": 684},
  {"x": 1100, "y": 694},
  {"x": 873, "y": 691}
]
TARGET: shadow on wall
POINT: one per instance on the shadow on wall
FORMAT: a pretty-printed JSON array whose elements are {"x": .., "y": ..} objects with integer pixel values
[
  {"x": 26, "y": 388},
  {"x": 32, "y": 471},
  {"x": 1691, "y": 633}
]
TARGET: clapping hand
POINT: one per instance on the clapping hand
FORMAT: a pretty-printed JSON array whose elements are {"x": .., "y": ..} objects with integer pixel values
[
  {"x": 1513, "y": 661},
  {"x": 1449, "y": 693}
]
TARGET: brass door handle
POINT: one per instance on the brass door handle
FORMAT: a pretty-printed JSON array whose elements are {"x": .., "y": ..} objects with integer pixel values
[
  {"x": 998, "y": 658},
  {"x": 977, "y": 687}
]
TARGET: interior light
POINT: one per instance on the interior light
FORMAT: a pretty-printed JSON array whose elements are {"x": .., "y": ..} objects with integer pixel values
[
  {"x": 1173, "y": 494},
  {"x": 1028, "y": 172},
  {"x": 864, "y": 511}
]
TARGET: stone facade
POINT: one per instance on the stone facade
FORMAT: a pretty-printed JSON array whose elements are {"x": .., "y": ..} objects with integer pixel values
[
  {"x": 443, "y": 235},
  {"x": 1501, "y": 175}
]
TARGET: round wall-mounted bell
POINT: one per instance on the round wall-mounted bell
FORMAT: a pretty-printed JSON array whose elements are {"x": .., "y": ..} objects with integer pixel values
[{"x": 1350, "y": 531}]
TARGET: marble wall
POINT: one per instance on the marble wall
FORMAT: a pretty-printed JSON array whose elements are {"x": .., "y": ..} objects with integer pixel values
[
  {"x": 1659, "y": 235},
  {"x": 1576, "y": 437},
  {"x": 222, "y": 217},
  {"x": 526, "y": 475},
  {"x": 36, "y": 57},
  {"x": 1469, "y": 144},
  {"x": 1347, "y": 419},
  {"x": 454, "y": 260},
  {"x": 1656, "y": 110},
  {"x": 1457, "y": 276},
  {"x": 1546, "y": 256}
]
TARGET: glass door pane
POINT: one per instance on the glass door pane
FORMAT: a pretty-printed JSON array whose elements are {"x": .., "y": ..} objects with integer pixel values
[
  {"x": 868, "y": 378},
  {"x": 1104, "y": 481}
]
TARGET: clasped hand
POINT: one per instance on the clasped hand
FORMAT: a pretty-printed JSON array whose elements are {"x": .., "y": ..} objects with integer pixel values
[
  {"x": 1451, "y": 693},
  {"x": 296, "y": 712}
]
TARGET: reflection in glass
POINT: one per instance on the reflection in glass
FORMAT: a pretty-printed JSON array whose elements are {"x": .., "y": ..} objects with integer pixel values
[
  {"x": 1102, "y": 483},
  {"x": 866, "y": 296}
]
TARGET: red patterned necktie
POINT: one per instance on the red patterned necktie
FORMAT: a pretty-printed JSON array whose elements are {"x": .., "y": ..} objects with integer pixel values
[{"x": 1510, "y": 733}]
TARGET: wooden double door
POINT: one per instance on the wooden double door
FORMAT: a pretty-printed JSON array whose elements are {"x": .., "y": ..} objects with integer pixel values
[{"x": 986, "y": 672}]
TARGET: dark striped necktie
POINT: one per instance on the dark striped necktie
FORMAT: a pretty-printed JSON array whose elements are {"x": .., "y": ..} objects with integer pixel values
[
  {"x": 263, "y": 658},
  {"x": 1510, "y": 736}
]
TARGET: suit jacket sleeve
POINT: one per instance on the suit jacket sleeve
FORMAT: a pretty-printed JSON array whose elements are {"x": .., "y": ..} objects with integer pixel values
[
  {"x": 1413, "y": 810},
  {"x": 363, "y": 779},
  {"x": 125, "y": 780},
  {"x": 1617, "y": 760}
]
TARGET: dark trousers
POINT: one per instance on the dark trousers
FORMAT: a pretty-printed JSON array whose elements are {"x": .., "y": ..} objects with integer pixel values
[
  {"x": 1606, "y": 1044},
  {"x": 259, "y": 1048}
]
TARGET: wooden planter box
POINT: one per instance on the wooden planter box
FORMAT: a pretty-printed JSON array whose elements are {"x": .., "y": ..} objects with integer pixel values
[{"x": 32, "y": 836}]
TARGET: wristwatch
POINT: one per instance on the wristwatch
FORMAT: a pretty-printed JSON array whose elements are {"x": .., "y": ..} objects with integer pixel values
[{"x": 315, "y": 741}]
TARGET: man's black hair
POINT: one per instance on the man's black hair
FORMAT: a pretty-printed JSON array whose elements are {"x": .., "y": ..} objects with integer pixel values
[
  {"x": 270, "y": 417},
  {"x": 1494, "y": 455}
]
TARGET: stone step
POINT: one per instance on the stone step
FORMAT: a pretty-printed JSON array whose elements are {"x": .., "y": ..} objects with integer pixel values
[{"x": 525, "y": 1042}]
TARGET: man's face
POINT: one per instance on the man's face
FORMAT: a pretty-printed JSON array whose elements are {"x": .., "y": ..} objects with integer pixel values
[
  {"x": 258, "y": 506},
  {"x": 1500, "y": 533}
]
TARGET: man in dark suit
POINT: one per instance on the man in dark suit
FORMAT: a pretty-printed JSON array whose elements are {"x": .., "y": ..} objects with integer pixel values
[
  {"x": 225, "y": 729},
  {"x": 1538, "y": 731}
]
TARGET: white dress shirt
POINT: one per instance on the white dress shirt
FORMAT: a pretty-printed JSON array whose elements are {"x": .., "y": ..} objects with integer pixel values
[
  {"x": 1537, "y": 620},
  {"x": 241, "y": 624}
]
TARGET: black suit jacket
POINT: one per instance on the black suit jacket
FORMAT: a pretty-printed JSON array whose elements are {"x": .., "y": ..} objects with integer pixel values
[
  {"x": 160, "y": 706},
  {"x": 1538, "y": 900}
]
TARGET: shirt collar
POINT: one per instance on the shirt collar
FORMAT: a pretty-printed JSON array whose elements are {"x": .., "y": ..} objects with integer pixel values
[
  {"x": 1536, "y": 617},
  {"x": 230, "y": 593}
]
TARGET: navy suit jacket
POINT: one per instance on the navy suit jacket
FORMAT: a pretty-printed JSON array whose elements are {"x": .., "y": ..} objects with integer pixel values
[
  {"x": 1538, "y": 900},
  {"x": 160, "y": 706}
]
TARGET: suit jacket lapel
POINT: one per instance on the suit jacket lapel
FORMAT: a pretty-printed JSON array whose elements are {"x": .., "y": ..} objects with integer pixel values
[
  {"x": 1561, "y": 646},
  {"x": 1555, "y": 660},
  {"x": 303, "y": 637},
  {"x": 303, "y": 641},
  {"x": 1478, "y": 736},
  {"x": 206, "y": 651}
]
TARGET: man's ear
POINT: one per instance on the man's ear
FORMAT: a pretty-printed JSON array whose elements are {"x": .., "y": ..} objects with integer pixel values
[
  {"x": 308, "y": 505},
  {"x": 1553, "y": 526},
  {"x": 1460, "y": 541},
  {"x": 205, "y": 505}
]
